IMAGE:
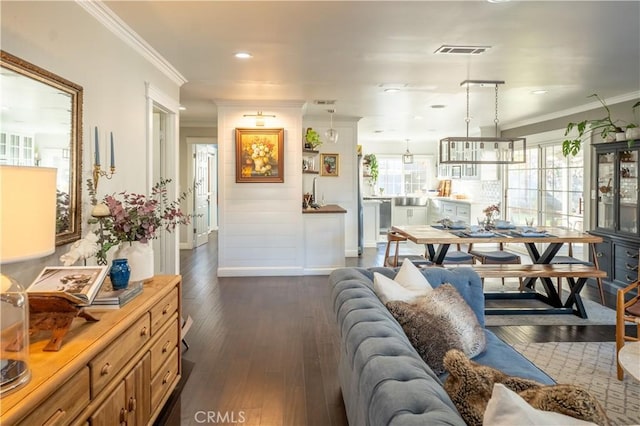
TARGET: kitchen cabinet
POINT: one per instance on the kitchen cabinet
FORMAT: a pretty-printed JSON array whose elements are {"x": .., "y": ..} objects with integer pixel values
[
  {"x": 120, "y": 369},
  {"x": 616, "y": 213},
  {"x": 413, "y": 215},
  {"x": 455, "y": 210},
  {"x": 371, "y": 222}
]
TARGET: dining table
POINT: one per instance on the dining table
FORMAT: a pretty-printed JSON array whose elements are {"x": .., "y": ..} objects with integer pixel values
[{"x": 437, "y": 240}]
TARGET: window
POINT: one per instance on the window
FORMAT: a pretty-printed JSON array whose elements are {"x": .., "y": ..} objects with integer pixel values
[{"x": 397, "y": 178}]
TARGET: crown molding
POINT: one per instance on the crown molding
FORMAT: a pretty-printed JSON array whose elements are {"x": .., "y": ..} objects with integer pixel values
[
  {"x": 117, "y": 26},
  {"x": 575, "y": 110}
]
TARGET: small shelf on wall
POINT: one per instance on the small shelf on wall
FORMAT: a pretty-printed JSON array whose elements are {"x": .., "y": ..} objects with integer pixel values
[
  {"x": 310, "y": 151},
  {"x": 311, "y": 172}
]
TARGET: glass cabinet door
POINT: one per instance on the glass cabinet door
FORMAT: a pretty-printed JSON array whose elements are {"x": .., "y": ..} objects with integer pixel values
[
  {"x": 628, "y": 192},
  {"x": 606, "y": 191}
]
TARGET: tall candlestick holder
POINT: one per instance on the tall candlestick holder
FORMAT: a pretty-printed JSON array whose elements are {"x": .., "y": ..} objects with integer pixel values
[{"x": 98, "y": 173}]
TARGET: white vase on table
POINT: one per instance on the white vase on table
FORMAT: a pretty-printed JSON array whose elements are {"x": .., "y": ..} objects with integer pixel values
[{"x": 140, "y": 258}]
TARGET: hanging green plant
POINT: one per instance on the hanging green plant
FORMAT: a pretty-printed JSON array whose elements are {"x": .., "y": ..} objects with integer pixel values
[{"x": 372, "y": 161}]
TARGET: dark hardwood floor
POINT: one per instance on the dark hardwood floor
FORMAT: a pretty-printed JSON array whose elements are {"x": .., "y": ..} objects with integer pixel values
[{"x": 264, "y": 350}]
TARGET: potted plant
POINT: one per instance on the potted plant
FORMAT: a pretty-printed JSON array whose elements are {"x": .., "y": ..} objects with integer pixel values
[
  {"x": 371, "y": 161},
  {"x": 312, "y": 139},
  {"x": 606, "y": 126},
  {"x": 633, "y": 131}
]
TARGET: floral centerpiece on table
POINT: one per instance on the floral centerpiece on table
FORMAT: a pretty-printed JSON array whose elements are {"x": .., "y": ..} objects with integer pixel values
[{"x": 491, "y": 212}]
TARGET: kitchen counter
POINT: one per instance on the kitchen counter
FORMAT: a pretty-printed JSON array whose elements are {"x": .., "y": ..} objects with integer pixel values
[{"x": 329, "y": 208}]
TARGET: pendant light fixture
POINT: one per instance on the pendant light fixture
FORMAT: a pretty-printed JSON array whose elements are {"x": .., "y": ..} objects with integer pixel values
[
  {"x": 482, "y": 150},
  {"x": 331, "y": 133},
  {"x": 407, "y": 158}
]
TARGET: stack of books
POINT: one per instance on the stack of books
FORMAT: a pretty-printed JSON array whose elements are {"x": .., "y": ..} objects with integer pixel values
[{"x": 108, "y": 298}]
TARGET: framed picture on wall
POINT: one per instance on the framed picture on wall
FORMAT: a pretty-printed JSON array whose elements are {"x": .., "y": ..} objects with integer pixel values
[
  {"x": 456, "y": 172},
  {"x": 329, "y": 164},
  {"x": 260, "y": 155}
]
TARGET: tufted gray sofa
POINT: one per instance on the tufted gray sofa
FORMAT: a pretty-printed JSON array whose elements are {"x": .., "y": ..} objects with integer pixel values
[{"x": 383, "y": 379}]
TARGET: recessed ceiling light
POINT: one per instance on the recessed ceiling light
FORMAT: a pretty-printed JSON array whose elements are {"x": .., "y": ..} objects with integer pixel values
[
  {"x": 540, "y": 92},
  {"x": 438, "y": 106},
  {"x": 392, "y": 90},
  {"x": 498, "y": 1},
  {"x": 243, "y": 55}
]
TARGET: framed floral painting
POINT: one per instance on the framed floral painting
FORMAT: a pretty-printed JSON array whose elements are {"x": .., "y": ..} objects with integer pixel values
[
  {"x": 329, "y": 164},
  {"x": 260, "y": 155}
]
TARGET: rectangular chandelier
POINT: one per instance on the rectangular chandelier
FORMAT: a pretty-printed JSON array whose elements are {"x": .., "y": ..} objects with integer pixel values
[{"x": 482, "y": 150}]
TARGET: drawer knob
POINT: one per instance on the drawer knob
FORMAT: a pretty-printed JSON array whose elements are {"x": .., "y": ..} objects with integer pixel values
[
  {"x": 166, "y": 346},
  {"x": 123, "y": 416},
  {"x": 631, "y": 267},
  {"x": 132, "y": 404},
  {"x": 166, "y": 309},
  {"x": 56, "y": 418},
  {"x": 630, "y": 279},
  {"x": 599, "y": 254},
  {"x": 105, "y": 369},
  {"x": 143, "y": 331},
  {"x": 165, "y": 379},
  {"x": 631, "y": 254}
]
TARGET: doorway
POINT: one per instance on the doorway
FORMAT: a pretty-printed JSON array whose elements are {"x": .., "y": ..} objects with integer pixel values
[{"x": 202, "y": 171}]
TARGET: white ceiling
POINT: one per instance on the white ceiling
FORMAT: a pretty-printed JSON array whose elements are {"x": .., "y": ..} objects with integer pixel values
[{"x": 349, "y": 51}]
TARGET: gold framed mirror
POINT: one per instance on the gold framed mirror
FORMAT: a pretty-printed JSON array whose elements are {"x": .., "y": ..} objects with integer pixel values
[{"x": 41, "y": 121}]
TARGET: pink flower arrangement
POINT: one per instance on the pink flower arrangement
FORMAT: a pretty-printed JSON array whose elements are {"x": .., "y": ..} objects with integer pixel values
[
  {"x": 493, "y": 209},
  {"x": 136, "y": 217}
]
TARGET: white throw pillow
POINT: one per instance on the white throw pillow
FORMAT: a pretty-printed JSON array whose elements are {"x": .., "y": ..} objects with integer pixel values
[
  {"x": 507, "y": 408},
  {"x": 387, "y": 289},
  {"x": 410, "y": 277}
]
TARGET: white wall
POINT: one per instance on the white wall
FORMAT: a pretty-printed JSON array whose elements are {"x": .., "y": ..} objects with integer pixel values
[
  {"x": 260, "y": 224},
  {"x": 341, "y": 189},
  {"x": 65, "y": 39}
]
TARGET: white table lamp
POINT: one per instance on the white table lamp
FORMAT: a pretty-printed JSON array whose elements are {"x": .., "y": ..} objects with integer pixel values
[{"x": 27, "y": 231}]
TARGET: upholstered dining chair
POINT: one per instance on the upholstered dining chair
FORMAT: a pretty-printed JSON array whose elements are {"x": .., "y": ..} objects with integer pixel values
[
  {"x": 496, "y": 257},
  {"x": 568, "y": 259},
  {"x": 626, "y": 311},
  {"x": 394, "y": 260}
]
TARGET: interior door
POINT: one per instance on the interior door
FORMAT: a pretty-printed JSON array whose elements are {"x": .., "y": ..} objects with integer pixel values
[{"x": 202, "y": 192}]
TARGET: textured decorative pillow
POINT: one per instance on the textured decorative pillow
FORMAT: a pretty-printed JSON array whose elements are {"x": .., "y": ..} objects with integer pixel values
[
  {"x": 470, "y": 385},
  {"x": 507, "y": 408},
  {"x": 410, "y": 277},
  {"x": 387, "y": 290},
  {"x": 439, "y": 321}
]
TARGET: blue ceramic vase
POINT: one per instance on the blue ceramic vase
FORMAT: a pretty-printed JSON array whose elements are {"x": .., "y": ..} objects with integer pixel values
[{"x": 119, "y": 274}]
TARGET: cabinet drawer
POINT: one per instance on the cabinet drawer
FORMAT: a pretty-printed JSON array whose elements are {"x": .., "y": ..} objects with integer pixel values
[
  {"x": 626, "y": 255},
  {"x": 164, "y": 310},
  {"x": 625, "y": 275},
  {"x": 463, "y": 212},
  {"x": 111, "y": 361},
  {"x": 64, "y": 404},
  {"x": 449, "y": 210},
  {"x": 164, "y": 378},
  {"x": 162, "y": 348}
]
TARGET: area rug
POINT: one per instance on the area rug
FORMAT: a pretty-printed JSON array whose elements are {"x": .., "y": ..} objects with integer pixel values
[
  {"x": 597, "y": 314},
  {"x": 591, "y": 365}
]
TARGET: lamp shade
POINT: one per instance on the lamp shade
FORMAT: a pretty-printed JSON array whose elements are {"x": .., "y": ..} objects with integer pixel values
[{"x": 27, "y": 212}]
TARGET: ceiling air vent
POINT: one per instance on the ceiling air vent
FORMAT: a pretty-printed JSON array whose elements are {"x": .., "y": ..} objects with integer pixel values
[
  {"x": 324, "y": 101},
  {"x": 448, "y": 49}
]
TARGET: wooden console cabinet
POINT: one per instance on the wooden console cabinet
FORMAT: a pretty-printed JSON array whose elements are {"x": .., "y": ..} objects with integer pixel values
[{"x": 119, "y": 370}]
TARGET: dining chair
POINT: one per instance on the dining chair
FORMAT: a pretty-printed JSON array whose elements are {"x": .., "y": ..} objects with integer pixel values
[
  {"x": 393, "y": 261},
  {"x": 496, "y": 257},
  {"x": 568, "y": 259},
  {"x": 626, "y": 311}
]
